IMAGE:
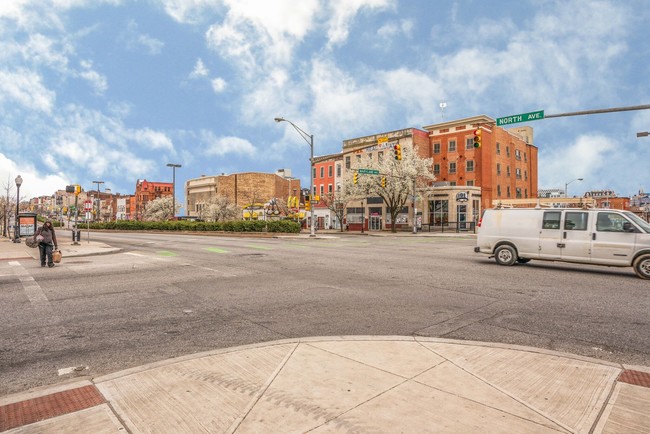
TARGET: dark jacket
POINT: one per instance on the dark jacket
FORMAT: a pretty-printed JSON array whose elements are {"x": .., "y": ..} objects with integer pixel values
[{"x": 49, "y": 237}]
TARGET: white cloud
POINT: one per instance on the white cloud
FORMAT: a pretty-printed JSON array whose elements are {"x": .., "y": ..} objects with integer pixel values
[
  {"x": 342, "y": 12},
  {"x": 96, "y": 80},
  {"x": 190, "y": 11},
  {"x": 226, "y": 145},
  {"x": 26, "y": 88},
  {"x": 200, "y": 70},
  {"x": 136, "y": 40},
  {"x": 218, "y": 85},
  {"x": 593, "y": 157},
  {"x": 34, "y": 183}
]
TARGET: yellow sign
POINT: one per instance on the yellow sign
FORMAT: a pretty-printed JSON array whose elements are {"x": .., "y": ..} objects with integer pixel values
[{"x": 382, "y": 139}]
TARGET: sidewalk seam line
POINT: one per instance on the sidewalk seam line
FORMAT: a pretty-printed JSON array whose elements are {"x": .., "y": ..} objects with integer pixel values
[
  {"x": 606, "y": 403},
  {"x": 238, "y": 421}
]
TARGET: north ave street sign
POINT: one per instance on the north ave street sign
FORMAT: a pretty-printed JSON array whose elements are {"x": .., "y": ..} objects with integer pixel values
[
  {"x": 524, "y": 117},
  {"x": 368, "y": 172}
]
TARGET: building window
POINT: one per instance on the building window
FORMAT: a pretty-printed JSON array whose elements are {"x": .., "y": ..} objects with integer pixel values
[
  {"x": 322, "y": 172},
  {"x": 436, "y": 169},
  {"x": 313, "y": 174},
  {"x": 518, "y": 192},
  {"x": 518, "y": 154},
  {"x": 358, "y": 159},
  {"x": 498, "y": 148},
  {"x": 329, "y": 188},
  {"x": 469, "y": 165},
  {"x": 508, "y": 191},
  {"x": 470, "y": 183},
  {"x": 452, "y": 183},
  {"x": 436, "y": 148},
  {"x": 525, "y": 157},
  {"x": 498, "y": 191},
  {"x": 347, "y": 162},
  {"x": 322, "y": 189},
  {"x": 452, "y": 167},
  {"x": 338, "y": 170},
  {"x": 330, "y": 171},
  {"x": 380, "y": 156},
  {"x": 452, "y": 146},
  {"x": 507, "y": 151},
  {"x": 518, "y": 173},
  {"x": 469, "y": 143},
  {"x": 507, "y": 170},
  {"x": 438, "y": 212},
  {"x": 498, "y": 169}
]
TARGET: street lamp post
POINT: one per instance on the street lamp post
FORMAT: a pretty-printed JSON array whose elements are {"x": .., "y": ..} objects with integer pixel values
[
  {"x": 19, "y": 182},
  {"x": 98, "y": 196},
  {"x": 566, "y": 186},
  {"x": 174, "y": 166},
  {"x": 309, "y": 138}
]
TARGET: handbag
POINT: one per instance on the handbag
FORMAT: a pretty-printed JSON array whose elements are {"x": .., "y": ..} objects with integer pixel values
[
  {"x": 31, "y": 242},
  {"x": 39, "y": 238},
  {"x": 56, "y": 256}
]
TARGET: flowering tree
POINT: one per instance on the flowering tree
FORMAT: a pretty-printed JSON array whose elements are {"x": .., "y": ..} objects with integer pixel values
[
  {"x": 397, "y": 182},
  {"x": 219, "y": 208},
  {"x": 159, "y": 209},
  {"x": 337, "y": 202}
]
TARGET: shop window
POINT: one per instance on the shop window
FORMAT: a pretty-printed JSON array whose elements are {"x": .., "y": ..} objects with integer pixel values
[{"x": 438, "y": 212}]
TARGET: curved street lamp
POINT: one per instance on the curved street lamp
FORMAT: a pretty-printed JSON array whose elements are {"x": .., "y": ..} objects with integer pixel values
[
  {"x": 309, "y": 138},
  {"x": 19, "y": 182},
  {"x": 566, "y": 186}
]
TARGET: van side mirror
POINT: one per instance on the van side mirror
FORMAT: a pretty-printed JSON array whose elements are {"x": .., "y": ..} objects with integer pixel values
[{"x": 627, "y": 227}]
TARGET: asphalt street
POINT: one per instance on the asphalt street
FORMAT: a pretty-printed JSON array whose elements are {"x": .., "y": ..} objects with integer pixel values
[{"x": 167, "y": 295}]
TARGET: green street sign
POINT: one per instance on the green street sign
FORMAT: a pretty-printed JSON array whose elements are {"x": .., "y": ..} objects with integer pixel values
[
  {"x": 524, "y": 117},
  {"x": 368, "y": 172}
]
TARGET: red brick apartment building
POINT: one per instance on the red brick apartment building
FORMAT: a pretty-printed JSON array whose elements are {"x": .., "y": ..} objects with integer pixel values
[
  {"x": 146, "y": 191},
  {"x": 504, "y": 166}
]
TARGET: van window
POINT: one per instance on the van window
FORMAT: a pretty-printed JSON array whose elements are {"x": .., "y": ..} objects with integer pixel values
[
  {"x": 610, "y": 222},
  {"x": 551, "y": 220},
  {"x": 575, "y": 221}
]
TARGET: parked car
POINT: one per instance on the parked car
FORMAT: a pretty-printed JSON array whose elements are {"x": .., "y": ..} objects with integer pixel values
[{"x": 588, "y": 236}]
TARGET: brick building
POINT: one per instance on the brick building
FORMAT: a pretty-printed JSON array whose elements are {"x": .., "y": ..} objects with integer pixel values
[
  {"x": 146, "y": 191},
  {"x": 243, "y": 189},
  {"x": 505, "y": 166}
]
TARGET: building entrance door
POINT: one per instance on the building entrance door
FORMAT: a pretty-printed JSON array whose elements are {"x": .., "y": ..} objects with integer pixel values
[
  {"x": 461, "y": 213},
  {"x": 375, "y": 223}
]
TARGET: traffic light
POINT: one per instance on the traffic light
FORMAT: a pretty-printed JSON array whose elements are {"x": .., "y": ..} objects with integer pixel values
[
  {"x": 307, "y": 202},
  {"x": 398, "y": 152},
  {"x": 355, "y": 179},
  {"x": 383, "y": 182},
  {"x": 477, "y": 138},
  {"x": 77, "y": 190}
]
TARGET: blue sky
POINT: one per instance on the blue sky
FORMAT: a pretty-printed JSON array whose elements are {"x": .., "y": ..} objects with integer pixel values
[{"x": 114, "y": 90}]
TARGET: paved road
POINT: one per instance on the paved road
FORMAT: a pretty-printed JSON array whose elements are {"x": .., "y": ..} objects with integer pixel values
[{"x": 171, "y": 295}]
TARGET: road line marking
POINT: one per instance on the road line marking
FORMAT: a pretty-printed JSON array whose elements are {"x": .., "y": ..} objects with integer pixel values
[
  {"x": 257, "y": 246},
  {"x": 133, "y": 254},
  {"x": 216, "y": 250},
  {"x": 166, "y": 253}
]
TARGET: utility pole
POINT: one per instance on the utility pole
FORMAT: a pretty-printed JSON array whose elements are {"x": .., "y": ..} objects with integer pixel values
[{"x": 415, "y": 211}]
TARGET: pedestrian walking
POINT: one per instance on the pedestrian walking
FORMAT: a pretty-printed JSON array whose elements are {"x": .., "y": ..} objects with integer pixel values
[{"x": 46, "y": 243}]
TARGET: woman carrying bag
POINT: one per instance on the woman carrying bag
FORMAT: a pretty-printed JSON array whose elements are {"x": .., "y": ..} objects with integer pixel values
[{"x": 46, "y": 243}]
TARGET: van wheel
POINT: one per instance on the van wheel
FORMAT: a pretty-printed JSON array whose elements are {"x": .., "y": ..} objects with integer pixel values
[
  {"x": 642, "y": 266},
  {"x": 505, "y": 255},
  {"x": 523, "y": 260}
]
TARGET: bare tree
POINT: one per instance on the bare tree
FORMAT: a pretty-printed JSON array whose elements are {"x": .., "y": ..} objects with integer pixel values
[
  {"x": 255, "y": 201},
  {"x": 337, "y": 202},
  {"x": 397, "y": 182}
]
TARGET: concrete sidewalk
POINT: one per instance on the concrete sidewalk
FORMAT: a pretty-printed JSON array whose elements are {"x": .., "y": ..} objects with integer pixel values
[
  {"x": 348, "y": 384},
  {"x": 11, "y": 250}
]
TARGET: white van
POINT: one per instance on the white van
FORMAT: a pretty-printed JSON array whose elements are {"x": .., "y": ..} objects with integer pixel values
[{"x": 587, "y": 236}]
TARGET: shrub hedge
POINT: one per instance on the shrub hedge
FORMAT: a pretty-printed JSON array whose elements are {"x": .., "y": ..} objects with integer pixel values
[{"x": 275, "y": 226}]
